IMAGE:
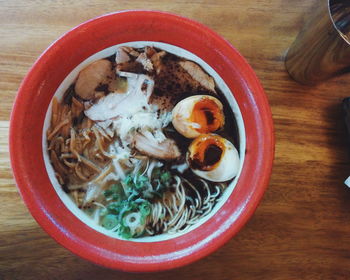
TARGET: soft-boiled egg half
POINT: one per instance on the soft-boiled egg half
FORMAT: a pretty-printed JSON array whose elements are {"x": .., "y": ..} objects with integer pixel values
[
  {"x": 197, "y": 115},
  {"x": 213, "y": 157}
]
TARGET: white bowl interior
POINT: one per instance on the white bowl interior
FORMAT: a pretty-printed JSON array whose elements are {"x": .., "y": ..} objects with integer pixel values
[{"x": 68, "y": 202}]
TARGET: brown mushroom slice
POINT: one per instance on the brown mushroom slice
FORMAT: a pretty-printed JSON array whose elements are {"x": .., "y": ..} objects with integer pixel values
[
  {"x": 198, "y": 74},
  {"x": 150, "y": 146},
  {"x": 93, "y": 76}
]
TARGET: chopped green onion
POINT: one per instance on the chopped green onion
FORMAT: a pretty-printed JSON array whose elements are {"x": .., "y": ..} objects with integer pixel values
[
  {"x": 108, "y": 193},
  {"x": 145, "y": 208},
  {"x": 110, "y": 221},
  {"x": 130, "y": 202},
  {"x": 116, "y": 197},
  {"x": 165, "y": 177},
  {"x": 103, "y": 212},
  {"x": 125, "y": 232}
]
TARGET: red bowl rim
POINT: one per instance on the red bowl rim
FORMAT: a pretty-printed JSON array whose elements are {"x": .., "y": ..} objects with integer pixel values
[{"x": 259, "y": 163}]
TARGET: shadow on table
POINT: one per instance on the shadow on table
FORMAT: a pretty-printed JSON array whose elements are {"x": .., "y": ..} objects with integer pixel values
[{"x": 338, "y": 138}]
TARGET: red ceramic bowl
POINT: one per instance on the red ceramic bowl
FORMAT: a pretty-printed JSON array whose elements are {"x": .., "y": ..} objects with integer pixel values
[{"x": 58, "y": 61}]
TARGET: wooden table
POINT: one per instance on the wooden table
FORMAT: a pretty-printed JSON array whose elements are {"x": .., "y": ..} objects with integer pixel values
[{"x": 301, "y": 230}]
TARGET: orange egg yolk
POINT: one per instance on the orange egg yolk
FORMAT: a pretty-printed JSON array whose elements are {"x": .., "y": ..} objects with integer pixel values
[
  {"x": 208, "y": 115},
  {"x": 206, "y": 152}
]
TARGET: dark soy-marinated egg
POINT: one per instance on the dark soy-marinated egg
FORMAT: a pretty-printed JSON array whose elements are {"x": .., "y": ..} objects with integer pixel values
[
  {"x": 213, "y": 157},
  {"x": 198, "y": 114}
]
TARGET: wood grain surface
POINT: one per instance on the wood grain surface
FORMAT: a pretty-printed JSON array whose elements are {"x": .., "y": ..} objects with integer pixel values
[{"x": 301, "y": 230}]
